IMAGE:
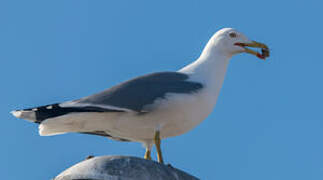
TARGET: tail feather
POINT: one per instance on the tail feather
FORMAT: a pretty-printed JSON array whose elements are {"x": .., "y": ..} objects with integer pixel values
[{"x": 54, "y": 119}]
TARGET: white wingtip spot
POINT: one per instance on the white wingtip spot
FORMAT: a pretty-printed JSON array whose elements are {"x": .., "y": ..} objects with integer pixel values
[
  {"x": 17, "y": 114},
  {"x": 27, "y": 115}
]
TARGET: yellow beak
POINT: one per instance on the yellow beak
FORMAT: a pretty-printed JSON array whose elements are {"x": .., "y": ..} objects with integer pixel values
[{"x": 264, "y": 49}]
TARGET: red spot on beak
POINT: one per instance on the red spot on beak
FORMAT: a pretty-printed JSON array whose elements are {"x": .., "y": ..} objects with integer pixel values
[{"x": 261, "y": 56}]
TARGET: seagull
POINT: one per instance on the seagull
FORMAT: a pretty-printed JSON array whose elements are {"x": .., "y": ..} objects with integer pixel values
[{"x": 151, "y": 107}]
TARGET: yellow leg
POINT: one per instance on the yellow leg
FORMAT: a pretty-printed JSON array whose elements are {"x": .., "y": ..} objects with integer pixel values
[
  {"x": 147, "y": 154},
  {"x": 157, "y": 143}
]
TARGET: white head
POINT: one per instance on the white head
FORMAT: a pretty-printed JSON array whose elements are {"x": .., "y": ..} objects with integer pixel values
[{"x": 229, "y": 41}]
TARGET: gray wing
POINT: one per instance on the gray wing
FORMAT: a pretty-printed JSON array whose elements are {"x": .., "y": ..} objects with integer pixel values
[
  {"x": 130, "y": 96},
  {"x": 134, "y": 94}
]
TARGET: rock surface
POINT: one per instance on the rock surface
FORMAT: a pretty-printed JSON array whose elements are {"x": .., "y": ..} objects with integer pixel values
[{"x": 122, "y": 168}]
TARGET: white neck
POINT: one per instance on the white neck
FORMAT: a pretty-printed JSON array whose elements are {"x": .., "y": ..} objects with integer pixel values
[{"x": 210, "y": 68}]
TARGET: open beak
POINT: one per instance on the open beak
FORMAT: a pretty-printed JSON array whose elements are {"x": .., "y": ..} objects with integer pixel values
[{"x": 264, "y": 49}]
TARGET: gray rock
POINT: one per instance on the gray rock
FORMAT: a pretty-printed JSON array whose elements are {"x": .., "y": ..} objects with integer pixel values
[{"x": 122, "y": 168}]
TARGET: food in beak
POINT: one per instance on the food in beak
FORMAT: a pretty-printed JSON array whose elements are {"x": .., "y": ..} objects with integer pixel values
[{"x": 264, "y": 49}]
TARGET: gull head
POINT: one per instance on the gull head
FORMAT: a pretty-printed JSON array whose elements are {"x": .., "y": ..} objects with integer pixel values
[{"x": 230, "y": 42}]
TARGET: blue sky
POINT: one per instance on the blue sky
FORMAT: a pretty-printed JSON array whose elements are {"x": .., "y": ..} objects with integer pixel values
[{"x": 268, "y": 122}]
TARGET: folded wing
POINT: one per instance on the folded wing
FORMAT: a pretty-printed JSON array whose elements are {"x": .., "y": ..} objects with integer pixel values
[{"x": 129, "y": 96}]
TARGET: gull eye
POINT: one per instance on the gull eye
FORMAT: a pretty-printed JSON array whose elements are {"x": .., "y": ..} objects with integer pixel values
[{"x": 233, "y": 35}]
